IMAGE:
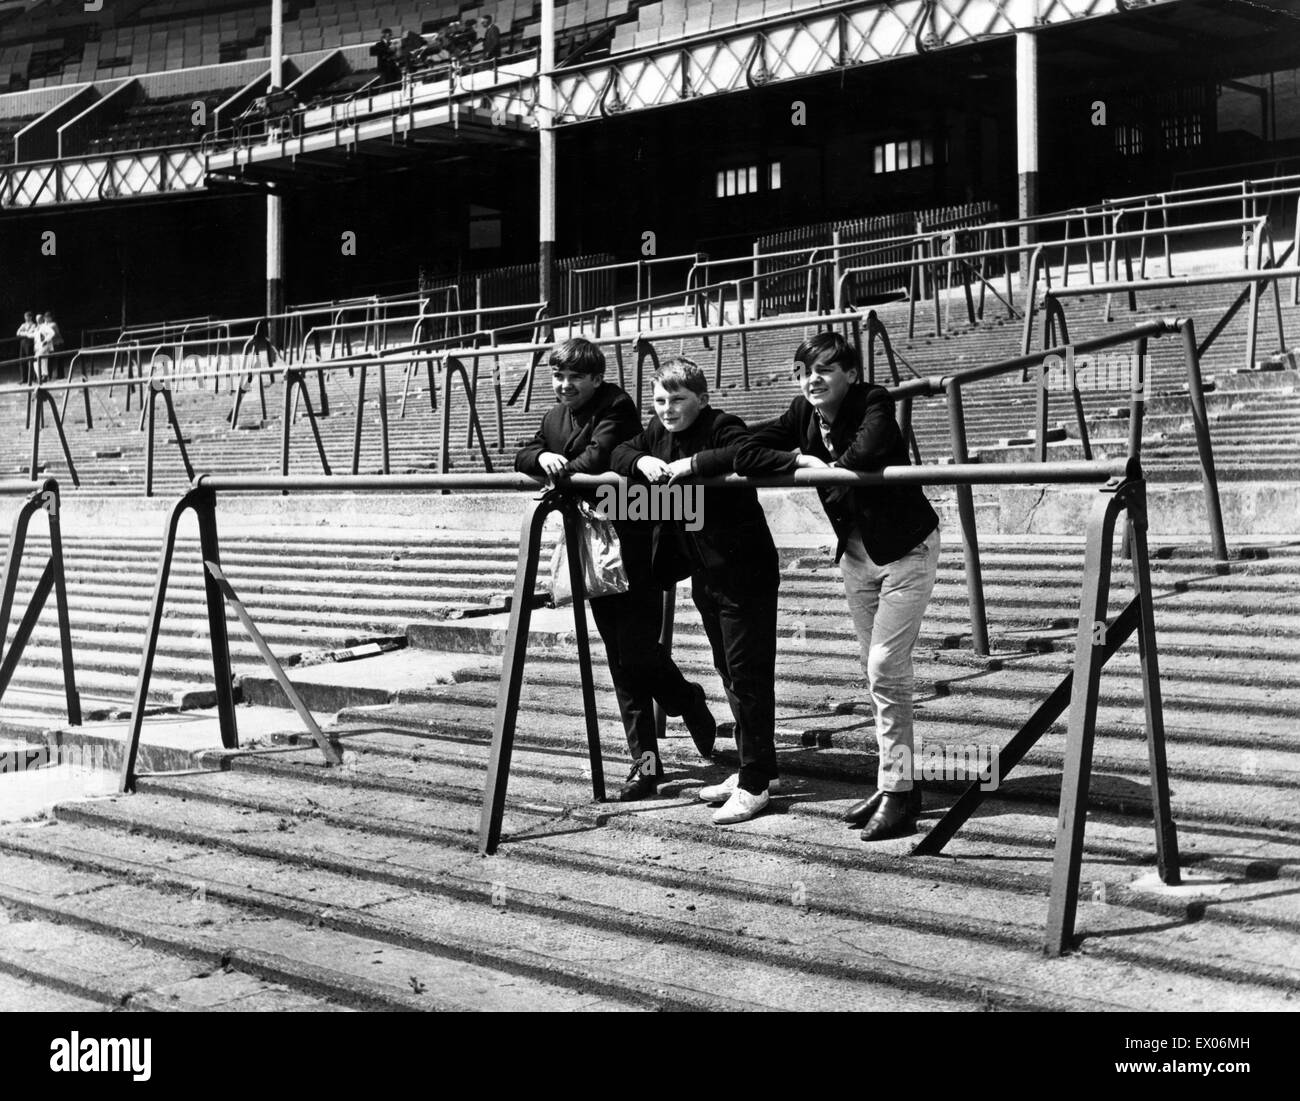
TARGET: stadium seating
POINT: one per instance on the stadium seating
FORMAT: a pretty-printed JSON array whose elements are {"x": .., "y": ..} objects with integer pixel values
[
  {"x": 666, "y": 20},
  {"x": 157, "y": 123},
  {"x": 8, "y": 131},
  {"x": 164, "y": 35}
]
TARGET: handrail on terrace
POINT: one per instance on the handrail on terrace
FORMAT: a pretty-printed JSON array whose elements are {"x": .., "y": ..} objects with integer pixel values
[
  {"x": 1115, "y": 210},
  {"x": 1122, "y": 491}
]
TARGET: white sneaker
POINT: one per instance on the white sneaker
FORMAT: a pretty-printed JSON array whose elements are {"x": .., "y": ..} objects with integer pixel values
[
  {"x": 720, "y": 793},
  {"x": 741, "y": 807}
]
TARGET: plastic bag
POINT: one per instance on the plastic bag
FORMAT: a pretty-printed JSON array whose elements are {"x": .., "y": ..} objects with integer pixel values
[{"x": 603, "y": 572}]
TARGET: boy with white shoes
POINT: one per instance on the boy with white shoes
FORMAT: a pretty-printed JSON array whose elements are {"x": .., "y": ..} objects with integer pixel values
[{"x": 731, "y": 561}]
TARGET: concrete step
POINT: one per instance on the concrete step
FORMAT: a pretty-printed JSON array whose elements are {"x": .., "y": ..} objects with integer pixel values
[{"x": 707, "y": 903}]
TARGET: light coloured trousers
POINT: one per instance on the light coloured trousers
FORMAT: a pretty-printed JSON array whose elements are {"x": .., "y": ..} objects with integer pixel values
[{"x": 887, "y": 603}]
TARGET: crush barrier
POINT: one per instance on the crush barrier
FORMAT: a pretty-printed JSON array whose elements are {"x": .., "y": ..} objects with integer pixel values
[
  {"x": 1122, "y": 491},
  {"x": 42, "y": 496}
]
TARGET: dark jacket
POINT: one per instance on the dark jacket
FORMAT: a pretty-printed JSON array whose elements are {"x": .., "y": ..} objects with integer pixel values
[
  {"x": 491, "y": 43},
  {"x": 587, "y": 439},
  {"x": 865, "y": 435},
  {"x": 733, "y": 550}
]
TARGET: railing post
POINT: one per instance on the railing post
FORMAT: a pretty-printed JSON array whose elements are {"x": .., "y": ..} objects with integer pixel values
[
  {"x": 966, "y": 513},
  {"x": 512, "y": 671},
  {"x": 1201, "y": 424}
]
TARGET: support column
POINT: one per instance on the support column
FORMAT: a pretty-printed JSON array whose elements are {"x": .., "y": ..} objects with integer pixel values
[
  {"x": 1027, "y": 140},
  {"x": 274, "y": 208},
  {"x": 546, "y": 159},
  {"x": 274, "y": 261}
]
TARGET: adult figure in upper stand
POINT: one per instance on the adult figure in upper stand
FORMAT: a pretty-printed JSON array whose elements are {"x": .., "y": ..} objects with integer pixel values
[
  {"x": 26, "y": 346},
  {"x": 491, "y": 37},
  {"x": 385, "y": 53}
]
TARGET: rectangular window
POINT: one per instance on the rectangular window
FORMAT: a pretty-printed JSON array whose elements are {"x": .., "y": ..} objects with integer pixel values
[
  {"x": 729, "y": 182},
  {"x": 901, "y": 156}
]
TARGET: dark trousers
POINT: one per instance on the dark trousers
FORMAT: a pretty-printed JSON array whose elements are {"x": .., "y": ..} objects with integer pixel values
[
  {"x": 642, "y": 670},
  {"x": 742, "y": 632},
  {"x": 27, "y": 353}
]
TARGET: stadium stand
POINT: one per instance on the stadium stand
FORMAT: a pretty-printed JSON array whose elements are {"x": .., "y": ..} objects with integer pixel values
[
  {"x": 164, "y": 35},
  {"x": 388, "y": 614}
]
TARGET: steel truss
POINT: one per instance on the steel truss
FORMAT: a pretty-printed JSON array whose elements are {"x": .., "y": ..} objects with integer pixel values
[
  {"x": 124, "y": 175},
  {"x": 799, "y": 45}
]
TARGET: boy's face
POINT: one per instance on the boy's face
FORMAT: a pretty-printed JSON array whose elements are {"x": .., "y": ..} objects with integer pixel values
[
  {"x": 678, "y": 409},
  {"x": 825, "y": 385},
  {"x": 572, "y": 388}
]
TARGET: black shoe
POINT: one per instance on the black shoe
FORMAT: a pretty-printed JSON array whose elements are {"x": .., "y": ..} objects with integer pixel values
[
  {"x": 639, "y": 787},
  {"x": 700, "y": 722},
  {"x": 893, "y": 818},
  {"x": 860, "y": 813}
]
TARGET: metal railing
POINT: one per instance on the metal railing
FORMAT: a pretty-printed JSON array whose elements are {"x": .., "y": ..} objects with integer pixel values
[
  {"x": 1123, "y": 492},
  {"x": 42, "y": 496},
  {"x": 644, "y": 277}
]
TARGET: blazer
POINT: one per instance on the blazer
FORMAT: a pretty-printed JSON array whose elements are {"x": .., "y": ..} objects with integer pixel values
[
  {"x": 733, "y": 551},
  {"x": 865, "y": 435},
  {"x": 587, "y": 439}
]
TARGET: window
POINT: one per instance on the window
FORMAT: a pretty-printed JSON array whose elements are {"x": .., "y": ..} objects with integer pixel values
[
  {"x": 744, "y": 181},
  {"x": 1128, "y": 140},
  {"x": 899, "y": 156},
  {"x": 1181, "y": 131}
]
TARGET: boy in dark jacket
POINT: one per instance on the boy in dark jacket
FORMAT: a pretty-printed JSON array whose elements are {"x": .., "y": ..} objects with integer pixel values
[
  {"x": 731, "y": 561},
  {"x": 577, "y": 436},
  {"x": 888, "y": 548}
]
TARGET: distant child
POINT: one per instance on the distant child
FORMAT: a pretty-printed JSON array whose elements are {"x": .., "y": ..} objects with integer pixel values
[
  {"x": 577, "y": 436},
  {"x": 731, "y": 561},
  {"x": 888, "y": 548}
]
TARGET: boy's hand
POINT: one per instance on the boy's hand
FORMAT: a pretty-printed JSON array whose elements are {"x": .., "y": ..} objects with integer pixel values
[
  {"x": 680, "y": 468},
  {"x": 810, "y": 462},
  {"x": 551, "y": 463},
  {"x": 653, "y": 469}
]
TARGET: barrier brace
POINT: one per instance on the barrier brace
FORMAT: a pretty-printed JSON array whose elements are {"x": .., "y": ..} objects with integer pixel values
[
  {"x": 42, "y": 397},
  {"x": 43, "y": 496},
  {"x": 217, "y": 593},
  {"x": 159, "y": 386}
]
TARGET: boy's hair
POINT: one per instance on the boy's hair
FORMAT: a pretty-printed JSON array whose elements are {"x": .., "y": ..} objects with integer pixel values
[
  {"x": 679, "y": 373},
  {"x": 577, "y": 354},
  {"x": 838, "y": 351}
]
